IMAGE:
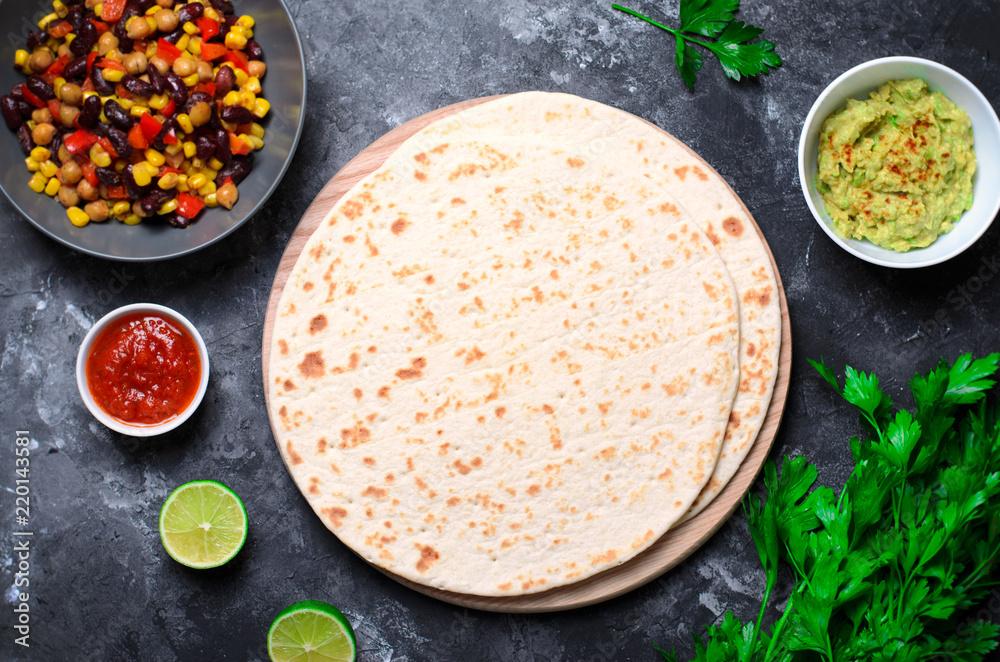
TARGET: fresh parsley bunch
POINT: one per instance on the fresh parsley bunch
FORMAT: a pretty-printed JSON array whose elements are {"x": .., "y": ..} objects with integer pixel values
[
  {"x": 892, "y": 567},
  {"x": 732, "y": 41}
]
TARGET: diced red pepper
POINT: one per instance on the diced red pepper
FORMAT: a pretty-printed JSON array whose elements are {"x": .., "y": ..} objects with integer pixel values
[
  {"x": 58, "y": 66},
  {"x": 80, "y": 141},
  {"x": 237, "y": 146},
  {"x": 136, "y": 138},
  {"x": 108, "y": 63},
  {"x": 121, "y": 92},
  {"x": 108, "y": 147},
  {"x": 208, "y": 88},
  {"x": 189, "y": 206},
  {"x": 239, "y": 59},
  {"x": 170, "y": 138},
  {"x": 31, "y": 98},
  {"x": 211, "y": 52},
  {"x": 100, "y": 26},
  {"x": 208, "y": 27},
  {"x": 169, "y": 109},
  {"x": 117, "y": 193},
  {"x": 89, "y": 170},
  {"x": 112, "y": 10},
  {"x": 88, "y": 85},
  {"x": 91, "y": 56},
  {"x": 59, "y": 29},
  {"x": 54, "y": 105},
  {"x": 150, "y": 126},
  {"x": 167, "y": 51}
]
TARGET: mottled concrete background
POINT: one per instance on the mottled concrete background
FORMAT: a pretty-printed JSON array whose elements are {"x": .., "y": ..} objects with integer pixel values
[{"x": 101, "y": 586}]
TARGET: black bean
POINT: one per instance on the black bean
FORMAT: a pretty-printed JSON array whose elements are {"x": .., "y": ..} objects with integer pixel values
[
  {"x": 118, "y": 138},
  {"x": 134, "y": 191},
  {"x": 37, "y": 86},
  {"x": 225, "y": 80},
  {"x": 137, "y": 86},
  {"x": 176, "y": 220},
  {"x": 189, "y": 12},
  {"x": 118, "y": 116},
  {"x": 153, "y": 200},
  {"x": 11, "y": 109},
  {"x": 236, "y": 114},
  {"x": 91, "y": 112},
  {"x": 109, "y": 176},
  {"x": 75, "y": 68},
  {"x": 222, "y": 150},
  {"x": 224, "y": 6},
  {"x": 156, "y": 79},
  {"x": 101, "y": 86},
  {"x": 143, "y": 5},
  {"x": 24, "y": 139},
  {"x": 206, "y": 147},
  {"x": 229, "y": 20},
  {"x": 36, "y": 39},
  {"x": 175, "y": 88},
  {"x": 254, "y": 51},
  {"x": 237, "y": 170},
  {"x": 18, "y": 91},
  {"x": 26, "y": 109},
  {"x": 86, "y": 37},
  {"x": 75, "y": 17},
  {"x": 175, "y": 36}
]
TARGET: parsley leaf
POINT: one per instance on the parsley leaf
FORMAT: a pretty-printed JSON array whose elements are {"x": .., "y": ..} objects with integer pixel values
[{"x": 734, "y": 42}]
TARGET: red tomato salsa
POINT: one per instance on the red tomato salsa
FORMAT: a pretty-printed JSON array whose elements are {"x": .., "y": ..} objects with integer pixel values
[{"x": 143, "y": 369}]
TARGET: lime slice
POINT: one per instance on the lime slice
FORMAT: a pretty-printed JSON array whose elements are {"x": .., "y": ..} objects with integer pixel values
[
  {"x": 203, "y": 524},
  {"x": 311, "y": 631}
]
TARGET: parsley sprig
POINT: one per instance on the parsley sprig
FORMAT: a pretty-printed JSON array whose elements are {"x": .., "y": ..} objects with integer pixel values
[
  {"x": 733, "y": 41},
  {"x": 894, "y": 566}
]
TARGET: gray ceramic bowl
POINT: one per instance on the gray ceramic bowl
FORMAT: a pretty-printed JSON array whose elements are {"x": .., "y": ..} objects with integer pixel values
[{"x": 284, "y": 87}]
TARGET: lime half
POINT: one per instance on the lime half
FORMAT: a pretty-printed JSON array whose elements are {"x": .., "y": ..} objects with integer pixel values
[
  {"x": 311, "y": 631},
  {"x": 203, "y": 524}
]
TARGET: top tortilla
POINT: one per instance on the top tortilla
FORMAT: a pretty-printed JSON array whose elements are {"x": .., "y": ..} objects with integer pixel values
[
  {"x": 496, "y": 368},
  {"x": 589, "y": 129}
]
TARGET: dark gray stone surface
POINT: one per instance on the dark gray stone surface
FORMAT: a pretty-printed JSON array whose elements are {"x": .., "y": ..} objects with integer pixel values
[{"x": 102, "y": 587}]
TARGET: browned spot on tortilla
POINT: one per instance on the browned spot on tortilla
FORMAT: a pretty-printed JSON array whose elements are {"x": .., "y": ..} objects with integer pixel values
[
  {"x": 609, "y": 452},
  {"x": 453, "y": 501},
  {"x": 428, "y": 555},
  {"x": 681, "y": 172},
  {"x": 668, "y": 208},
  {"x": 421, "y": 158},
  {"x": 475, "y": 354},
  {"x": 734, "y": 420},
  {"x": 534, "y": 490},
  {"x": 358, "y": 394},
  {"x": 321, "y": 445},
  {"x": 289, "y": 385},
  {"x": 283, "y": 412},
  {"x": 312, "y": 364},
  {"x": 420, "y": 176},
  {"x": 751, "y": 349},
  {"x": 761, "y": 297},
  {"x": 415, "y": 370},
  {"x": 372, "y": 248},
  {"x": 429, "y": 279},
  {"x": 676, "y": 385},
  {"x": 607, "y": 557},
  {"x": 335, "y": 515},
  {"x": 710, "y": 233},
  {"x": 421, "y": 416},
  {"x": 398, "y": 226},
  {"x": 547, "y": 409},
  {"x": 377, "y": 492},
  {"x": 500, "y": 411},
  {"x": 369, "y": 461},
  {"x": 575, "y": 162},
  {"x": 384, "y": 392},
  {"x": 349, "y": 239},
  {"x": 307, "y": 286},
  {"x": 317, "y": 324},
  {"x": 477, "y": 461},
  {"x": 667, "y": 473},
  {"x": 313, "y": 485},
  {"x": 463, "y": 286},
  {"x": 462, "y": 467},
  {"x": 604, "y": 407},
  {"x": 354, "y": 436},
  {"x": 506, "y": 586},
  {"x": 293, "y": 457},
  {"x": 457, "y": 201},
  {"x": 702, "y": 175},
  {"x": 733, "y": 226}
]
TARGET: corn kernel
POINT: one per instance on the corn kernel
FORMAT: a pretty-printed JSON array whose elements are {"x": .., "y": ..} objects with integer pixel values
[
  {"x": 235, "y": 41},
  {"x": 37, "y": 182},
  {"x": 194, "y": 46},
  {"x": 151, "y": 22},
  {"x": 183, "y": 42},
  {"x": 207, "y": 189},
  {"x": 41, "y": 154},
  {"x": 100, "y": 158},
  {"x": 212, "y": 14},
  {"x": 255, "y": 143},
  {"x": 62, "y": 11},
  {"x": 77, "y": 216},
  {"x": 195, "y": 165},
  {"x": 32, "y": 164},
  {"x": 211, "y": 200},
  {"x": 182, "y": 187},
  {"x": 173, "y": 148},
  {"x": 246, "y": 21},
  {"x": 113, "y": 75},
  {"x": 185, "y": 122},
  {"x": 52, "y": 186},
  {"x": 190, "y": 28},
  {"x": 260, "y": 107},
  {"x": 21, "y": 57},
  {"x": 48, "y": 168},
  {"x": 253, "y": 85},
  {"x": 98, "y": 8},
  {"x": 247, "y": 98},
  {"x": 132, "y": 219},
  {"x": 141, "y": 176},
  {"x": 191, "y": 80},
  {"x": 152, "y": 10},
  {"x": 215, "y": 164},
  {"x": 46, "y": 19},
  {"x": 239, "y": 30},
  {"x": 126, "y": 103},
  {"x": 158, "y": 101},
  {"x": 119, "y": 165},
  {"x": 137, "y": 111},
  {"x": 232, "y": 98},
  {"x": 197, "y": 181},
  {"x": 168, "y": 181},
  {"x": 57, "y": 83},
  {"x": 167, "y": 207},
  {"x": 256, "y": 130},
  {"x": 190, "y": 149},
  {"x": 154, "y": 157},
  {"x": 121, "y": 208},
  {"x": 69, "y": 38},
  {"x": 241, "y": 77}
]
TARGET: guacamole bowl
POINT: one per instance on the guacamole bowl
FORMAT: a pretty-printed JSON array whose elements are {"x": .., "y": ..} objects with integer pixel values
[{"x": 857, "y": 83}]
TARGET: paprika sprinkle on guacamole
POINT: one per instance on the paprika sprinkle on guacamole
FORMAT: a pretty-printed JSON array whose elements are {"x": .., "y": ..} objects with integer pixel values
[{"x": 144, "y": 369}]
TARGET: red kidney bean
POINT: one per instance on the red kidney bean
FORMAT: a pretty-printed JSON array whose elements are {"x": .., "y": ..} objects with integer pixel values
[
  {"x": 222, "y": 150},
  {"x": 156, "y": 79},
  {"x": 26, "y": 109},
  {"x": 90, "y": 115},
  {"x": 175, "y": 36},
  {"x": 75, "y": 17},
  {"x": 118, "y": 138},
  {"x": 189, "y": 12},
  {"x": 11, "y": 109},
  {"x": 224, "y": 6},
  {"x": 37, "y": 86},
  {"x": 101, "y": 86},
  {"x": 117, "y": 115},
  {"x": 176, "y": 220},
  {"x": 18, "y": 91},
  {"x": 152, "y": 200},
  {"x": 36, "y": 39},
  {"x": 86, "y": 37},
  {"x": 254, "y": 51},
  {"x": 137, "y": 86},
  {"x": 109, "y": 176},
  {"x": 175, "y": 88},
  {"x": 134, "y": 191},
  {"x": 205, "y": 146},
  {"x": 236, "y": 114},
  {"x": 225, "y": 80},
  {"x": 75, "y": 68},
  {"x": 142, "y": 5},
  {"x": 237, "y": 170},
  {"x": 24, "y": 139}
]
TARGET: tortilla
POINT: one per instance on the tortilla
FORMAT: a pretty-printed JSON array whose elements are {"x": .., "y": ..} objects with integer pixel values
[
  {"x": 497, "y": 369},
  {"x": 590, "y": 129}
]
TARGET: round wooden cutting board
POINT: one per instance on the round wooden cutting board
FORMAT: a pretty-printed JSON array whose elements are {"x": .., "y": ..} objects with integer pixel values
[{"x": 674, "y": 546}]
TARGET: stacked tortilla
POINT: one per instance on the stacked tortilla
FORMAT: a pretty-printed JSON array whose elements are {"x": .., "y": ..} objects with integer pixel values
[{"x": 515, "y": 355}]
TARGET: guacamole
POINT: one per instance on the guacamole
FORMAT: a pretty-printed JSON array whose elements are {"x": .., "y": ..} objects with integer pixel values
[{"x": 897, "y": 169}]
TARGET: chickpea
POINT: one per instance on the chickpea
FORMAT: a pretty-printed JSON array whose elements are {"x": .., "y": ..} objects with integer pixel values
[
  {"x": 166, "y": 20},
  {"x": 71, "y": 93},
  {"x": 41, "y": 115},
  {"x": 42, "y": 133},
  {"x": 68, "y": 196},
  {"x": 184, "y": 66},
  {"x": 257, "y": 68},
  {"x": 160, "y": 64},
  {"x": 138, "y": 28},
  {"x": 40, "y": 60},
  {"x": 70, "y": 173},
  {"x": 97, "y": 210},
  {"x": 227, "y": 195},
  {"x": 205, "y": 72},
  {"x": 86, "y": 190},
  {"x": 135, "y": 63},
  {"x": 137, "y": 210},
  {"x": 107, "y": 43},
  {"x": 165, "y": 3},
  {"x": 63, "y": 50},
  {"x": 67, "y": 114},
  {"x": 200, "y": 113},
  {"x": 63, "y": 154}
]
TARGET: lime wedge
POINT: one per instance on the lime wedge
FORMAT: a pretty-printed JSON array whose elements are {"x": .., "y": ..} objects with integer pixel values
[
  {"x": 203, "y": 524},
  {"x": 311, "y": 631}
]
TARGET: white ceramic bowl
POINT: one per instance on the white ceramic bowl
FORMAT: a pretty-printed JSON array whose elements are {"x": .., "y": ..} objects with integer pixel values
[
  {"x": 856, "y": 84},
  {"x": 81, "y": 370}
]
